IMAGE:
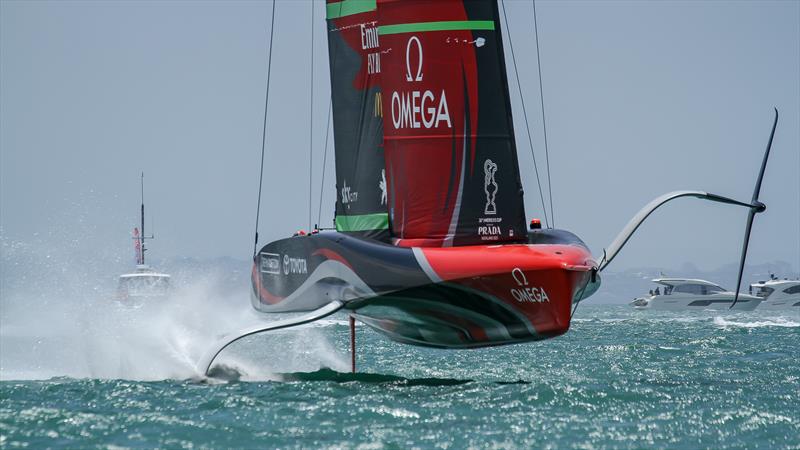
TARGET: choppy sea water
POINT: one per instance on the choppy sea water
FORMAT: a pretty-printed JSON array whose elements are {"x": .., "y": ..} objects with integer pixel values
[{"x": 619, "y": 378}]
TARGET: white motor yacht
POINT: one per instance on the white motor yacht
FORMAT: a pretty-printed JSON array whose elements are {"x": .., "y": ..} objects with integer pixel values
[
  {"x": 680, "y": 294},
  {"x": 145, "y": 283},
  {"x": 777, "y": 294}
]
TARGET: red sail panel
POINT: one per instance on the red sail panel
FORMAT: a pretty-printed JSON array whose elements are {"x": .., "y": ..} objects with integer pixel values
[
  {"x": 137, "y": 246},
  {"x": 451, "y": 159},
  {"x": 355, "y": 63}
]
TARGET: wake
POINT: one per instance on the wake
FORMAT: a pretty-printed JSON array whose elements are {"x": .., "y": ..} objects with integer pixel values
[{"x": 781, "y": 322}]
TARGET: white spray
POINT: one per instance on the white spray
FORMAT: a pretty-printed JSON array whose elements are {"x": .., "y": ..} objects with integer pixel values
[{"x": 64, "y": 321}]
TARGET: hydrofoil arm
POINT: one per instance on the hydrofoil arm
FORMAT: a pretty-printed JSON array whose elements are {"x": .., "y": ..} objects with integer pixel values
[
  {"x": 225, "y": 341},
  {"x": 622, "y": 238},
  {"x": 755, "y": 206}
]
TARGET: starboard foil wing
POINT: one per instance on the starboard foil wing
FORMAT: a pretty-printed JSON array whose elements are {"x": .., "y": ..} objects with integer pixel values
[
  {"x": 755, "y": 207},
  {"x": 355, "y": 65},
  {"x": 451, "y": 161}
]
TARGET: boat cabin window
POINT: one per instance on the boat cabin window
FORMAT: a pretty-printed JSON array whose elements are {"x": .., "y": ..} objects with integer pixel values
[
  {"x": 793, "y": 289},
  {"x": 712, "y": 290},
  {"x": 689, "y": 289},
  {"x": 764, "y": 291},
  {"x": 698, "y": 289}
]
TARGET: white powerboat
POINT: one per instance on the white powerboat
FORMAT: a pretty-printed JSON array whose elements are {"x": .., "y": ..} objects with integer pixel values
[
  {"x": 145, "y": 283},
  {"x": 680, "y": 294},
  {"x": 777, "y": 294}
]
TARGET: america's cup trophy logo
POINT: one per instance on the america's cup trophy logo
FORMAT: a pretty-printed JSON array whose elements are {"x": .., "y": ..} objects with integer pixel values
[
  {"x": 382, "y": 186},
  {"x": 490, "y": 186}
]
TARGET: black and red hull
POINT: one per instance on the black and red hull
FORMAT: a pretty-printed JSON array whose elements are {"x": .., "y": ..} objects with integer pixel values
[{"x": 453, "y": 297}]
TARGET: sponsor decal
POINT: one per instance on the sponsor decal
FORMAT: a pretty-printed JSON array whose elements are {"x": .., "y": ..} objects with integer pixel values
[
  {"x": 419, "y": 110},
  {"x": 490, "y": 187},
  {"x": 369, "y": 41},
  {"x": 270, "y": 263},
  {"x": 416, "y": 108},
  {"x": 489, "y": 228},
  {"x": 369, "y": 36},
  {"x": 525, "y": 293},
  {"x": 294, "y": 265},
  {"x": 418, "y": 77},
  {"x": 382, "y": 186},
  {"x": 377, "y": 109},
  {"x": 348, "y": 196}
]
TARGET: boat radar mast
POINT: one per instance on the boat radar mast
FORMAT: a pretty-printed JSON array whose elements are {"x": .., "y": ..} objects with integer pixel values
[
  {"x": 145, "y": 283},
  {"x": 138, "y": 236}
]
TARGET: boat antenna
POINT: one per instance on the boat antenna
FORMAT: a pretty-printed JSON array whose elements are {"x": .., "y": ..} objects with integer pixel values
[
  {"x": 544, "y": 118},
  {"x": 525, "y": 114},
  {"x": 142, "y": 237},
  {"x": 311, "y": 122},
  {"x": 755, "y": 208},
  {"x": 264, "y": 129}
]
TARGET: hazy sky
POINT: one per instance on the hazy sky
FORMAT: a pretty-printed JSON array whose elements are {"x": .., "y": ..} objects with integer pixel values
[{"x": 641, "y": 98}]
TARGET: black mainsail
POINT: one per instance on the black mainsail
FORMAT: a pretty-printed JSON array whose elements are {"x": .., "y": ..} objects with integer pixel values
[{"x": 355, "y": 65}]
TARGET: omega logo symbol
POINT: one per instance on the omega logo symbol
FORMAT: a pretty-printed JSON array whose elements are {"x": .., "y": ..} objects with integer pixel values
[
  {"x": 519, "y": 276},
  {"x": 408, "y": 60},
  {"x": 418, "y": 108}
]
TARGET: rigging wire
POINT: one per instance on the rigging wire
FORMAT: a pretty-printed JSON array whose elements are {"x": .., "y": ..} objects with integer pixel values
[
  {"x": 544, "y": 119},
  {"x": 327, "y": 131},
  {"x": 324, "y": 159},
  {"x": 525, "y": 114},
  {"x": 264, "y": 129},
  {"x": 311, "y": 122}
]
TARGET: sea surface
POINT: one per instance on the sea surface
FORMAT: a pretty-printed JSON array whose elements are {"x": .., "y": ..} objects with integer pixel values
[{"x": 620, "y": 378}]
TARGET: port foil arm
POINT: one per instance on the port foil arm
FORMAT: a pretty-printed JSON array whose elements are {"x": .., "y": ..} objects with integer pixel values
[{"x": 320, "y": 313}]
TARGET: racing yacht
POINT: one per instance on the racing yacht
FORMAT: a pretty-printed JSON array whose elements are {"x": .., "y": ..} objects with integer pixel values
[
  {"x": 681, "y": 294},
  {"x": 431, "y": 244}
]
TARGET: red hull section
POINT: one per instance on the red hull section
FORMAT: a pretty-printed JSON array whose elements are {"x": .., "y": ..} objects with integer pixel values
[{"x": 526, "y": 293}]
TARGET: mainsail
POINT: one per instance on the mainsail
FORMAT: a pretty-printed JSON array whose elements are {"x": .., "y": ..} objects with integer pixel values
[
  {"x": 451, "y": 161},
  {"x": 355, "y": 64}
]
